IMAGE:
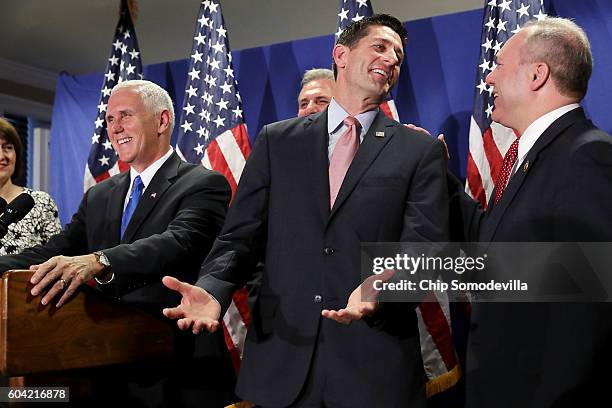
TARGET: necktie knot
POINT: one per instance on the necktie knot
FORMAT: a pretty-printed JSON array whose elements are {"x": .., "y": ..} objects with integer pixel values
[
  {"x": 351, "y": 121},
  {"x": 136, "y": 188}
]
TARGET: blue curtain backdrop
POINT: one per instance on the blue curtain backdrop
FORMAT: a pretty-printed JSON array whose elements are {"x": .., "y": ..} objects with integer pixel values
[{"x": 435, "y": 90}]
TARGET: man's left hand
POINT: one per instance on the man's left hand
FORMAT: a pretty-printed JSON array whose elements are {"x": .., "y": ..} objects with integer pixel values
[
  {"x": 362, "y": 302},
  {"x": 62, "y": 275}
]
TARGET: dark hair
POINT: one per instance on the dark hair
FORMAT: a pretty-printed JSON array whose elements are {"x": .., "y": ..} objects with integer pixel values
[
  {"x": 358, "y": 29},
  {"x": 9, "y": 133}
]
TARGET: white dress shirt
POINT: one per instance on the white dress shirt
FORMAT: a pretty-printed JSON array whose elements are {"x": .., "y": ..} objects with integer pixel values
[{"x": 535, "y": 130}]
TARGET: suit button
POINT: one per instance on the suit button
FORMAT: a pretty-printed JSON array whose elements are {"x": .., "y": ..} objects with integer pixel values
[
  {"x": 317, "y": 299},
  {"x": 328, "y": 251}
]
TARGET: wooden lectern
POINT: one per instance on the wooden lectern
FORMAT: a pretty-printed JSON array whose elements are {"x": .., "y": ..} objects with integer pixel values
[{"x": 90, "y": 330}]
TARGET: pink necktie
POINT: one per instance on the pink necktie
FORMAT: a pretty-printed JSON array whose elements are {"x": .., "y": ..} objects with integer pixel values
[
  {"x": 341, "y": 159},
  {"x": 504, "y": 175}
]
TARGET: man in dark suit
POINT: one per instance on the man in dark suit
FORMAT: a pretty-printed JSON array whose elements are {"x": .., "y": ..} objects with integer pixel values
[
  {"x": 287, "y": 212},
  {"x": 179, "y": 210},
  {"x": 558, "y": 189}
]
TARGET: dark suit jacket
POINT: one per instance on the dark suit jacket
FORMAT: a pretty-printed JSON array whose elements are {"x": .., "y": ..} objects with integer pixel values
[
  {"x": 393, "y": 191},
  {"x": 178, "y": 217},
  {"x": 544, "y": 354}
]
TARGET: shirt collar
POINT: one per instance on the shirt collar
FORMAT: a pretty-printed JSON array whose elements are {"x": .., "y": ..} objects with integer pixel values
[
  {"x": 539, "y": 126},
  {"x": 147, "y": 175},
  {"x": 336, "y": 115}
]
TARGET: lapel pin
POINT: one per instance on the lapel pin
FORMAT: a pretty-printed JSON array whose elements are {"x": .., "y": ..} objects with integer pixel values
[
  {"x": 526, "y": 166},
  {"x": 380, "y": 134},
  {"x": 153, "y": 195}
]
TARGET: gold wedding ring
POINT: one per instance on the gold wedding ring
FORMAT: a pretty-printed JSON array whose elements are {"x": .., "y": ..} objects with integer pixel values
[{"x": 64, "y": 283}]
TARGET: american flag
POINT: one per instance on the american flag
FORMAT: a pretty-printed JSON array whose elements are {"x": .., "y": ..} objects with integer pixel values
[
  {"x": 437, "y": 347},
  {"x": 123, "y": 64},
  {"x": 213, "y": 133},
  {"x": 489, "y": 141},
  {"x": 355, "y": 10}
]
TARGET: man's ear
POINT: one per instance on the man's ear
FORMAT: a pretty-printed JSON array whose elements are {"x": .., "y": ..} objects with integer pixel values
[
  {"x": 164, "y": 121},
  {"x": 340, "y": 53},
  {"x": 539, "y": 75}
]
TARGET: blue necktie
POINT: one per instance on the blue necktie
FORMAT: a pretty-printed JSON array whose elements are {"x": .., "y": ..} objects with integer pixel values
[{"x": 132, "y": 203}]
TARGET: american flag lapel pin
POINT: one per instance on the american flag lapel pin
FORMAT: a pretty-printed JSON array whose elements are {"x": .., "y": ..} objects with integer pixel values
[{"x": 380, "y": 134}]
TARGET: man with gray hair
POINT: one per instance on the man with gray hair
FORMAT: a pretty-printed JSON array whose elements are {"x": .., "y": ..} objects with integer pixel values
[
  {"x": 158, "y": 218},
  {"x": 555, "y": 186},
  {"x": 317, "y": 91}
]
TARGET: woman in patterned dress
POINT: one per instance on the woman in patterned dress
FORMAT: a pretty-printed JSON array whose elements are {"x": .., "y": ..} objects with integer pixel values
[{"x": 42, "y": 221}]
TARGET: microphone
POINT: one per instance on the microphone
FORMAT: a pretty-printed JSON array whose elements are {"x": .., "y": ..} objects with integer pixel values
[
  {"x": 15, "y": 211},
  {"x": 2, "y": 205}
]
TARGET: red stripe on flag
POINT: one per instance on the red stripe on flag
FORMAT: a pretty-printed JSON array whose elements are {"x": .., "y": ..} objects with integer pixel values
[
  {"x": 386, "y": 110},
  {"x": 234, "y": 353},
  {"x": 218, "y": 163},
  {"x": 241, "y": 301},
  {"x": 494, "y": 157},
  {"x": 475, "y": 182},
  {"x": 242, "y": 138},
  {"x": 102, "y": 176},
  {"x": 439, "y": 329},
  {"x": 123, "y": 166}
]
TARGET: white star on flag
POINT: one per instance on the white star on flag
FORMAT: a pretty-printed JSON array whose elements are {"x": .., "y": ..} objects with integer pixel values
[
  {"x": 186, "y": 126},
  {"x": 523, "y": 10},
  {"x": 199, "y": 38},
  {"x": 194, "y": 74},
  {"x": 104, "y": 160},
  {"x": 189, "y": 109},
  {"x": 504, "y": 5},
  {"x": 191, "y": 91}
]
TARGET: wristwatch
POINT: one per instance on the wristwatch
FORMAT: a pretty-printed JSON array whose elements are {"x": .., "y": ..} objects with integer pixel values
[{"x": 103, "y": 260}]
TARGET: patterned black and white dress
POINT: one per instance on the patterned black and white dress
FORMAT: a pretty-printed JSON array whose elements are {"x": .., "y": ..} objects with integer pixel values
[{"x": 35, "y": 228}]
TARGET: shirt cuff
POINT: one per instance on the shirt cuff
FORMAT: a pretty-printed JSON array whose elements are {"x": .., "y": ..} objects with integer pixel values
[{"x": 106, "y": 282}]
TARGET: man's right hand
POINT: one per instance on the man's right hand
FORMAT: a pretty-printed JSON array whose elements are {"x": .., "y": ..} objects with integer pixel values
[{"x": 197, "y": 310}]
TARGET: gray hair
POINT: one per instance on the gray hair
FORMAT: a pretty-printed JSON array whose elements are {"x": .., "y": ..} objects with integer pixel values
[
  {"x": 565, "y": 48},
  {"x": 316, "y": 74},
  {"x": 153, "y": 97}
]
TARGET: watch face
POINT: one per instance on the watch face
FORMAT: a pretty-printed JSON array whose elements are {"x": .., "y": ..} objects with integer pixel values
[{"x": 103, "y": 259}]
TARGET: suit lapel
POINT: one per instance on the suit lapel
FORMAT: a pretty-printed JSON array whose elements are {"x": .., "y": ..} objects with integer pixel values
[
  {"x": 367, "y": 153},
  {"x": 153, "y": 193},
  {"x": 496, "y": 212},
  {"x": 114, "y": 209},
  {"x": 315, "y": 128}
]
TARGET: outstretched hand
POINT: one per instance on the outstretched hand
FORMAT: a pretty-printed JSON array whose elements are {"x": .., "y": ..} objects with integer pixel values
[
  {"x": 198, "y": 310},
  {"x": 362, "y": 302}
]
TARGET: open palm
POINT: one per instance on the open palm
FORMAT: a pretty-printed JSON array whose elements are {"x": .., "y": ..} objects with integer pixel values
[{"x": 198, "y": 310}]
